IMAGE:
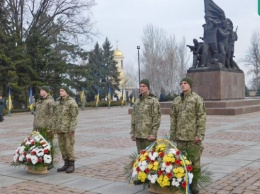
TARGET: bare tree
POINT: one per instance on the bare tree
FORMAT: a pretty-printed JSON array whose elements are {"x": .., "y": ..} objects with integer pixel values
[
  {"x": 252, "y": 59},
  {"x": 164, "y": 61},
  {"x": 71, "y": 18}
]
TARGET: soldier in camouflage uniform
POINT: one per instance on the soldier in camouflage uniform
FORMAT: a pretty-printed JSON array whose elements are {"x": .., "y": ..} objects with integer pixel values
[
  {"x": 188, "y": 119},
  {"x": 66, "y": 116},
  {"x": 145, "y": 118},
  {"x": 43, "y": 115}
]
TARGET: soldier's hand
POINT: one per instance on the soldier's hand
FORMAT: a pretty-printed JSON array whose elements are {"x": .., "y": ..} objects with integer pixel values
[
  {"x": 72, "y": 133},
  {"x": 197, "y": 139},
  {"x": 133, "y": 138},
  {"x": 151, "y": 137}
]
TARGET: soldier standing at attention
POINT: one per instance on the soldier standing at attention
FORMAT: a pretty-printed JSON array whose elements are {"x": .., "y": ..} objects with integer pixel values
[
  {"x": 43, "y": 115},
  {"x": 66, "y": 117},
  {"x": 145, "y": 118},
  {"x": 188, "y": 119}
]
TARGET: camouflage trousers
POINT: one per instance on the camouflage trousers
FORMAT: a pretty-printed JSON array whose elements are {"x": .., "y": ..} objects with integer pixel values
[
  {"x": 196, "y": 149},
  {"x": 66, "y": 144},
  {"x": 141, "y": 144}
]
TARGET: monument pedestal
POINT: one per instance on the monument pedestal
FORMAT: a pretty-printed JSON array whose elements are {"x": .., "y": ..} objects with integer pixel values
[{"x": 218, "y": 85}]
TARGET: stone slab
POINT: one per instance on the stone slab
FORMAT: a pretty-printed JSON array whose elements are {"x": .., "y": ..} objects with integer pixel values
[{"x": 218, "y": 85}]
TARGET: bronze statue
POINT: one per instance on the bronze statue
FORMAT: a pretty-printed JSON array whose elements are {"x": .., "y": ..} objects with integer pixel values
[{"x": 217, "y": 49}]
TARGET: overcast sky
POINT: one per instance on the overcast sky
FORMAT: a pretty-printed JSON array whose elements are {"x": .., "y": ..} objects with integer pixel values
[{"x": 124, "y": 21}]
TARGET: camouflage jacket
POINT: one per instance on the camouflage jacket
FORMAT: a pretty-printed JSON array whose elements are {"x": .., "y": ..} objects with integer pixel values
[
  {"x": 43, "y": 114},
  {"x": 188, "y": 117},
  {"x": 66, "y": 115},
  {"x": 146, "y": 117}
]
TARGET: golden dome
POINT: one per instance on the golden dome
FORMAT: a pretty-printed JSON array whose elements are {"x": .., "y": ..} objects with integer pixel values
[{"x": 118, "y": 53}]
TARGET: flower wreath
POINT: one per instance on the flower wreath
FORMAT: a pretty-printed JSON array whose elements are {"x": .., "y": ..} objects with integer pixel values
[
  {"x": 163, "y": 165},
  {"x": 34, "y": 150}
]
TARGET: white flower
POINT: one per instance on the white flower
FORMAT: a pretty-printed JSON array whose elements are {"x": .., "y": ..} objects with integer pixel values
[
  {"x": 163, "y": 167},
  {"x": 172, "y": 151},
  {"x": 142, "y": 165},
  {"x": 21, "y": 158},
  {"x": 153, "y": 178},
  {"x": 46, "y": 146},
  {"x": 175, "y": 182},
  {"x": 134, "y": 173},
  {"x": 15, "y": 157},
  {"x": 153, "y": 156},
  {"x": 47, "y": 159},
  {"x": 32, "y": 148},
  {"x": 39, "y": 152},
  {"x": 37, "y": 138},
  {"x": 21, "y": 150},
  {"x": 168, "y": 168},
  {"x": 190, "y": 175},
  {"x": 34, "y": 159}
]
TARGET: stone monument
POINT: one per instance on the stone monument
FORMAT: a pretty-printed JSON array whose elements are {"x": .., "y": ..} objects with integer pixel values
[{"x": 217, "y": 77}]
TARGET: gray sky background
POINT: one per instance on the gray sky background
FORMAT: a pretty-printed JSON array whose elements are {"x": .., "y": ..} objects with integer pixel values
[{"x": 124, "y": 21}]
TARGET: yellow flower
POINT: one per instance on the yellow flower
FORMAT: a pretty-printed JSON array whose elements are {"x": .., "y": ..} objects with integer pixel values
[
  {"x": 166, "y": 181},
  {"x": 142, "y": 176},
  {"x": 155, "y": 165},
  {"x": 160, "y": 180},
  {"x": 160, "y": 148},
  {"x": 143, "y": 156},
  {"x": 179, "y": 172},
  {"x": 169, "y": 158}
]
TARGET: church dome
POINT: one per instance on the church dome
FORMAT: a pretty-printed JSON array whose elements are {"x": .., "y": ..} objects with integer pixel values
[{"x": 118, "y": 53}]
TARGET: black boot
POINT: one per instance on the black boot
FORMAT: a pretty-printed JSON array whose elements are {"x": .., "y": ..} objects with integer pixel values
[
  {"x": 71, "y": 167},
  {"x": 65, "y": 166}
]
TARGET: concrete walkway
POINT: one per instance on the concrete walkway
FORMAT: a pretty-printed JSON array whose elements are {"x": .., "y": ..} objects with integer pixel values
[{"x": 232, "y": 152}]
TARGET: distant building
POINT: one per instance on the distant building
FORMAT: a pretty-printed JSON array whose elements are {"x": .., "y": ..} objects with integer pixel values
[{"x": 125, "y": 82}]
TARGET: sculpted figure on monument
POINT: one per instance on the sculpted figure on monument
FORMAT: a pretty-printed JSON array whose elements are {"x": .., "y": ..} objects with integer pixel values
[
  {"x": 210, "y": 49},
  {"x": 230, "y": 63},
  {"x": 222, "y": 37},
  {"x": 197, "y": 52}
]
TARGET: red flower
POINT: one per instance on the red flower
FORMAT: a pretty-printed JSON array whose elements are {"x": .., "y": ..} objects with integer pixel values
[
  {"x": 178, "y": 152},
  {"x": 184, "y": 184},
  {"x": 28, "y": 160},
  {"x": 138, "y": 169},
  {"x": 168, "y": 163},
  {"x": 152, "y": 161},
  {"x": 169, "y": 175},
  {"x": 160, "y": 172},
  {"x": 24, "y": 153},
  {"x": 33, "y": 152},
  {"x": 189, "y": 168},
  {"x": 161, "y": 154},
  {"x": 28, "y": 138},
  {"x": 40, "y": 160},
  {"x": 147, "y": 158},
  {"x": 177, "y": 162},
  {"x": 143, "y": 151},
  {"x": 43, "y": 143},
  {"x": 32, "y": 142},
  {"x": 46, "y": 151},
  {"x": 147, "y": 170}
]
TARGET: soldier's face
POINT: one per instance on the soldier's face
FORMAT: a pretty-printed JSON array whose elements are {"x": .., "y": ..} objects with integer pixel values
[
  {"x": 63, "y": 93},
  {"x": 185, "y": 87},
  {"x": 143, "y": 89},
  {"x": 43, "y": 93}
]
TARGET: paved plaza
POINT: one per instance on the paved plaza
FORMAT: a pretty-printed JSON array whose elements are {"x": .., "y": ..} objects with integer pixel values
[{"x": 103, "y": 146}]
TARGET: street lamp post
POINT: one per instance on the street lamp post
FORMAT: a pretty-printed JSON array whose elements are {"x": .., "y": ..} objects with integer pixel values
[{"x": 138, "y": 47}]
